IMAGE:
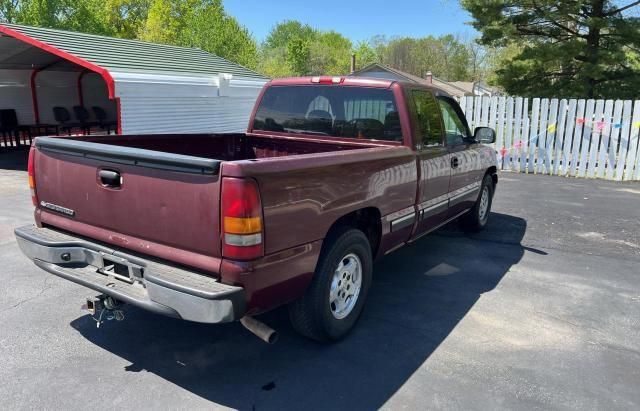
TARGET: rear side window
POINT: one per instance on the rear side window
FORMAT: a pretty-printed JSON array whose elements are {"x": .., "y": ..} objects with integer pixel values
[
  {"x": 334, "y": 111},
  {"x": 428, "y": 118}
]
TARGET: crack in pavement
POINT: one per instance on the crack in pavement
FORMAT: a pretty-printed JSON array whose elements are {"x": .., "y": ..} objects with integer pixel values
[{"x": 45, "y": 287}]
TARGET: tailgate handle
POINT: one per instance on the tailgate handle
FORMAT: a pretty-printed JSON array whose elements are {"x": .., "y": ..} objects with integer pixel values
[{"x": 110, "y": 178}]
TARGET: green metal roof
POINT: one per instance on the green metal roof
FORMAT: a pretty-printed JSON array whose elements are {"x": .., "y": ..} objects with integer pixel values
[{"x": 124, "y": 55}]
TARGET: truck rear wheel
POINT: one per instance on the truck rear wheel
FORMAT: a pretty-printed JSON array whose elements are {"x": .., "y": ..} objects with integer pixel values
[
  {"x": 476, "y": 219},
  {"x": 333, "y": 302}
]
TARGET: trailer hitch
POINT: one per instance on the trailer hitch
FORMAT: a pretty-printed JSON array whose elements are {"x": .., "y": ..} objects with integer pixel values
[{"x": 104, "y": 308}]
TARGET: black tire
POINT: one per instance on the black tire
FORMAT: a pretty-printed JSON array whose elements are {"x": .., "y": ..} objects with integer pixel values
[
  {"x": 473, "y": 221},
  {"x": 312, "y": 314}
]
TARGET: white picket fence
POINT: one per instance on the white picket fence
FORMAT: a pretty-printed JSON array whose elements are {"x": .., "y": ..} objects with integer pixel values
[{"x": 578, "y": 138}]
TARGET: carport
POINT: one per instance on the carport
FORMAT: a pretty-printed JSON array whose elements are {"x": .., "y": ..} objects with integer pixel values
[{"x": 106, "y": 84}]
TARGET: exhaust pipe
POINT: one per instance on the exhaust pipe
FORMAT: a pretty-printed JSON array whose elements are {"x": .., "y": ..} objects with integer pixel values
[{"x": 260, "y": 329}]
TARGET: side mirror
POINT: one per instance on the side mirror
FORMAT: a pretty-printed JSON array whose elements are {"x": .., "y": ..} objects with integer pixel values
[{"x": 484, "y": 135}]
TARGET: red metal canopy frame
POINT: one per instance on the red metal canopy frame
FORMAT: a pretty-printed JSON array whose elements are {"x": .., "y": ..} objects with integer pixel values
[{"x": 88, "y": 66}]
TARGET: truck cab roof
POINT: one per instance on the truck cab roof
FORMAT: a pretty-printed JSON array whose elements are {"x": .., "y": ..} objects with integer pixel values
[{"x": 351, "y": 81}]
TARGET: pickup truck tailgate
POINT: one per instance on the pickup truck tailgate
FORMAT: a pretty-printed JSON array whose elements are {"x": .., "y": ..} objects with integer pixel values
[{"x": 161, "y": 204}]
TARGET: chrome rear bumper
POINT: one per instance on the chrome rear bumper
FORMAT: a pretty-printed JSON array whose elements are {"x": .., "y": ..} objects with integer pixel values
[{"x": 156, "y": 287}]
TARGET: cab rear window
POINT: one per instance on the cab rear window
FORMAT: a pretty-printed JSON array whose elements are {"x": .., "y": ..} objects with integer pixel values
[{"x": 353, "y": 112}]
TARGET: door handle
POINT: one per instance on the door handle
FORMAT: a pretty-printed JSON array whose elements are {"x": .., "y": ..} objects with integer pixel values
[
  {"x": 110, "y": 178},
  {"x": 454, "y": 162}
]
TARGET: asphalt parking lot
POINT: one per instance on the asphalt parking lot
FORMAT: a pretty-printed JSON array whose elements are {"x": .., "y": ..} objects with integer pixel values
[{"x": 541, "y": 310}]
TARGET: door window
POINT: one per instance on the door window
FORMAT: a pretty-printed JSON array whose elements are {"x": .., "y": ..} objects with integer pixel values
[
  {"x": 428, "y": 118},
  {"x": 454, "y": 126}
]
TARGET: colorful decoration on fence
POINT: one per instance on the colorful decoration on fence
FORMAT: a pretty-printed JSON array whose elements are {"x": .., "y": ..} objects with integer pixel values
[
  {"x": 551, "y": 128},
  {"x": 557, "y": 136},
  {"x": 519, "y": 144},
  {"x": 599, "y": 125}
]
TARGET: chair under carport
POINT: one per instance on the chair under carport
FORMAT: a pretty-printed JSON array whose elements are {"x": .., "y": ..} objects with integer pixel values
[
  {"x": 124, "y": 86},
  {"x": 35, "y": 85}
]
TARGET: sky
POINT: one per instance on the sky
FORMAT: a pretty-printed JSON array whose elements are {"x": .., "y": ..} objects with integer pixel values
[{"x": 359, "y": 20}]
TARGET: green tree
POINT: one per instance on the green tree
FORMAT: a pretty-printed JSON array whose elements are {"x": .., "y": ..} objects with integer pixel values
[
  {"x": 9, "y": 10},
  {"x": 210, "y": 28},
  {"x": 165, "y": 20},
  {"x": 297, "y": 54},
  {"x": 191, "y": 23},
  {"x": 495, "y": 58},
  {"x": 118, "y": 18},
  {"x": 329, "y": 54},
  {"x": 446, "y": 57},
  {"x": 456, "y": 58},
  {"x": 283, "y": 33},
  {"x": 274, "y": 63},
  {"x": 83, "y": 16},
  {"x": 295, "y": 49},
  {"x": 365, "y": 54},
  {"x": 125, "y": 18},
  {"x": 289, "y": 41},
  {"x": 567, "y": 47},
  {"x": 201, "y": 24}
]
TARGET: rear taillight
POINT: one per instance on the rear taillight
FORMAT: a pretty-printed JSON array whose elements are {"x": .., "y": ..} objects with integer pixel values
[
  {"x": 31, "y": 172},
  {"x": 241, "y": 215}
]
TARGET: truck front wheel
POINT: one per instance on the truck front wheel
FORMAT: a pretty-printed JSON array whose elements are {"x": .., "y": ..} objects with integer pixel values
[
  {"x": 476, "y": 219},
  {"x": 333, "y": 302}
]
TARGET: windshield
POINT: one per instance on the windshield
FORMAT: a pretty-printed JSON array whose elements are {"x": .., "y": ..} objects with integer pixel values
[{"x": 355, "y": 112}]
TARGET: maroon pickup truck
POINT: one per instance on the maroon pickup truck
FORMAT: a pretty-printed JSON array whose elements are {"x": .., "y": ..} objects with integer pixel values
[{"x": 332, "y": 173}]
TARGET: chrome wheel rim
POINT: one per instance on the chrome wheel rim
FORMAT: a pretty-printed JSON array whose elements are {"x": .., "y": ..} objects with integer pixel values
[
  {"x": 483, "y": 210},
  {"x": 345, "y": 286}
]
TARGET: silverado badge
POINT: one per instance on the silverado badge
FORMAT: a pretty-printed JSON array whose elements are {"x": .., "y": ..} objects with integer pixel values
[{"x": 59, "y": 209}]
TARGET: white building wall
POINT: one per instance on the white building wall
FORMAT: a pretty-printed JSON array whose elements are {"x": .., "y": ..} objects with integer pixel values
[
  {"x": 184, "y": 104},
  {"x": 15, "y": 93}
]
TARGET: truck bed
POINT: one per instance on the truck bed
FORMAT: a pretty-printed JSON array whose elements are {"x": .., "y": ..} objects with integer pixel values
[
  {"x": 225, "y": 147},
  {"x": 166, "y": 199}
]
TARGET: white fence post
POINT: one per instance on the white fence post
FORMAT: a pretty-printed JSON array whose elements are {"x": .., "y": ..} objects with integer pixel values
[
  {"x": 632, "y": 167},
  {"x": 500, "y": 129},
  {"x": 586, "y": 137},
  {"x": 614, "y": 139},
  {"x": 567, "y": 137},
  {"x": 577, "y": 139},
  {"x": 559, "y": 140},
  {"x": 524, "y": 136},
  {"x": 627, "y": 108},
  {"x": 532, "y": 143},
  {"x": 542, "y": 135}
]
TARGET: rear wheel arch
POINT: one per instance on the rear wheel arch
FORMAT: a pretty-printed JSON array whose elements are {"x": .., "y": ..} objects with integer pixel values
[
  {"x": 333, "y": 302},
  {"x": 367, "y": 220}
]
